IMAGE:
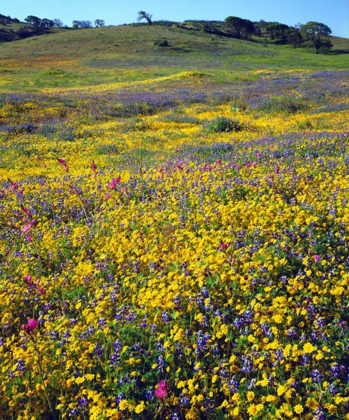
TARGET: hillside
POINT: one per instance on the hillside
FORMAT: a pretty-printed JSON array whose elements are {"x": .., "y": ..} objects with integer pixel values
[
  {"x": 14, "y": 29},
  {"x": 126, "y": 53}
]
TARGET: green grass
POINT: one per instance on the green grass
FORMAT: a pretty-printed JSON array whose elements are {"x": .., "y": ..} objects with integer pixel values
[{"x": 69, "y": 58}]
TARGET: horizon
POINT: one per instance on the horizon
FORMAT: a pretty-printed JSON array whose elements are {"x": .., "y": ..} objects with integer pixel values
[{"x": 291, "y": 14}]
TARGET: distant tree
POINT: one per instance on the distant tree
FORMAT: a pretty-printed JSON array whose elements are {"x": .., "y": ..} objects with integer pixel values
[
  {"x": 99, "y": 23},
  {"x": 47, "y": 23},
  {"x": 249, "y": 28},
  {"x": 277, "y": 30},
  {"x": 317, "y": 34},
  {"x": 242, "y": 27},
  {"x": 83, "y": 24},
  {"x": 294, "y": 36},
  {"x": 144, "y": 15},
  {"x": 236, "y": 23},
  {"x": 58, "y": 23},
  {"x": 33, "y": 20}
]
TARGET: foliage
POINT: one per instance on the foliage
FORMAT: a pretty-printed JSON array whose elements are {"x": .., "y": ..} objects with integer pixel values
[
  {"x": 242, "y": 27},
  {"x": 99, "y": 23},
  {"x": 317, "y": 34},
  {"x": 82, "y": 24},
  {"x": 151, "y": 269},
  {"x": 144, "y": 15},
  {"x": 223, "y": 124}
]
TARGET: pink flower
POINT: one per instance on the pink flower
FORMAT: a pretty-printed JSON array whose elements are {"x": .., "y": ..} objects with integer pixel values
[
  {"x": 63, "y": 163},
  {"x": 277, "y": 170},
  {"x": 94, "y": 166},
  {"x": 30, "y": 327},
  {"x": 27, "y": 227},
  {"x": 27, "y": 280},
  {"x": 180, "y": 167},
  {"x": 26, "y": 211},
  {"x": 259, "y": 155},
  {"x": 224, "y": 246},
  {"x": 161, "y": 391},
  {"x": 219, "y": 162},
  {"x": 40, "y": 290},
  {"x": 115, "y": 181},
  {"x": 316, "y": 258},
  {"x": 28, "y": 238}
]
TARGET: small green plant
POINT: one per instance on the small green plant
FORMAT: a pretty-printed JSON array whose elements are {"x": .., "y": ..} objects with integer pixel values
[
  {"x": 223, "y": 124},
  {"x": 239, "y": 101}
]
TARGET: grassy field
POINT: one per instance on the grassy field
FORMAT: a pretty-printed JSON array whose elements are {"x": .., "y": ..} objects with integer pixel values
[
  {"x": 126, "y": 53},
  {"x": 173, "y": 228}
]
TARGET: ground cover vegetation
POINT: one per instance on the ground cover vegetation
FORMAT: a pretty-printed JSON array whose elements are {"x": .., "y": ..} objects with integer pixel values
[{"x": 173, "y": 243}]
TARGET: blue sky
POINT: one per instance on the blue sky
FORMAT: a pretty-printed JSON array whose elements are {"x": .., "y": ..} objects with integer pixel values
[{"x": 334, "y": 13}]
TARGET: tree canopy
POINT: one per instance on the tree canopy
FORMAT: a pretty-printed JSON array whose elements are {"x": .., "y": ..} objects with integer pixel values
[
  {"x": 144, "y": 15},
  {"x": 242, "y": 27},
  {"x": 317, "y": 34}
]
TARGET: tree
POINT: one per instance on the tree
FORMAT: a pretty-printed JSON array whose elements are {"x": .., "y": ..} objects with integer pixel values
[
  {"x": 99, "y": 23},
  {"x": 317, "y": 34},
  {"x": 277, "y": 31},
  {"x": 144, "y": 15},
  {"x": 57, "y": 23},
  {"x": 242, "y": 27},
  {"x": 82, "y": 24},
  {"x": 33, "y": 20},
  {"x": 294, "y": 36},
  {"x": 47, "y": 23}
]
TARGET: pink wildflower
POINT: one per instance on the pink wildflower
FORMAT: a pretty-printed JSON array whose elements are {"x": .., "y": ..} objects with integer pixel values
[
  {"x": 115, "y": 181},
  {"x": 316, "y": 258},
  {"x": 27, "y": 280},
  {"x": 63, "y": 163},
  {"x": 30, "y": 327},
  {"x": 161, "y": 391}
]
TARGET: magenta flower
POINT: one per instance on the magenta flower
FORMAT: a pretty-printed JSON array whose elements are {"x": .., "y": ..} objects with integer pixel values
[
  {"x": 30, "y": 327},
  {"x": 224, "y": 246},
  {"x": 27, "y": 280},
  {"x": 63, "y": 163},
  {"x": 94, "y": 166},
  {"x": 115, "y": 181},
  {"x": 161, "y": 390},
  {"x": 26, "y": 228},
  {"x": 316, "y": 258}
]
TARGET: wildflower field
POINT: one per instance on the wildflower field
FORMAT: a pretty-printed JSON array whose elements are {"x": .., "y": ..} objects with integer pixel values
[{"x": 176, "y": 248}]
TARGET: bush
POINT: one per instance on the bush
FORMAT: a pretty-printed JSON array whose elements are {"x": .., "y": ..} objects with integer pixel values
[
  {"x": 161, "y": 43},
  {"x": 223, "y": 124}
]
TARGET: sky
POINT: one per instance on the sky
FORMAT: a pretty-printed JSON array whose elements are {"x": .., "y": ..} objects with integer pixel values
[{"x": 334, "y": 13}]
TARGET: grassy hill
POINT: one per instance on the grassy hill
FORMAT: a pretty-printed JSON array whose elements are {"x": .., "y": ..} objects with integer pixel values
[
  {"x": 14, "y": 30},
  {"x": 129, "y": 53}
]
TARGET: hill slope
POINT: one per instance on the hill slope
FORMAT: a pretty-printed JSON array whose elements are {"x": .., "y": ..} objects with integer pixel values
[{"x": 126, "y": 53}]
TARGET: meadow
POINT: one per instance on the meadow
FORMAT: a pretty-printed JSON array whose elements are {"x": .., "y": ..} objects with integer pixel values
[{"x": 173, "y": 238}]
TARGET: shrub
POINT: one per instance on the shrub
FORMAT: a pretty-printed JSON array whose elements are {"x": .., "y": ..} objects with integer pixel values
[
  {"x": 223, "y": 124},
  {"x": 161, "y": 43}
]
